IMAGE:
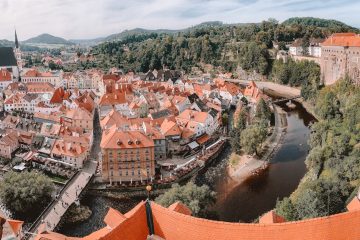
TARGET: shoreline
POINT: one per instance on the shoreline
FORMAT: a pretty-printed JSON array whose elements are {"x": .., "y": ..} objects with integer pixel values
[{"x": 247, "y": 165}]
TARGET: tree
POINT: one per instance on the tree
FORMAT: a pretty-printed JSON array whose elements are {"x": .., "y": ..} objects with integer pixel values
[
  {"x": 286, "y": 209},
  {"x": 26, "y": 193},
  {"x": 242, "y": 119},
  {"x": 254, "y": 57},
  {"x": 252, "y": 138},
  {"x": 305, "y": 45},
  {"x": 235, "y": 135},
  {"x": 263, "y": 111},
  {"x": 319, "y": 198},
  {"x": 328, "y": 105},
  {"x": 225, "y": 119},
  {"x": 196, "y": 198}
]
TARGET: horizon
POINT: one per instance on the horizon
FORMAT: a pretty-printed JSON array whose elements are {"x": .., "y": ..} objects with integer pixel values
[{"x": 70, "y": 19}]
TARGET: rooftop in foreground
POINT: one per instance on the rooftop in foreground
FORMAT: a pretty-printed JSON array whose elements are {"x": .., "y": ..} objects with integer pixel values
[{"x": 149, "y": 220}]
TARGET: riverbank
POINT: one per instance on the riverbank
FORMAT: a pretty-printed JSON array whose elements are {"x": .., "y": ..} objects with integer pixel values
[{"x": 243, "y": 166}]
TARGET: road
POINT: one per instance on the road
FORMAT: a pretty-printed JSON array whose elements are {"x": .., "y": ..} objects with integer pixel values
[{"x": 95, "y": 149}]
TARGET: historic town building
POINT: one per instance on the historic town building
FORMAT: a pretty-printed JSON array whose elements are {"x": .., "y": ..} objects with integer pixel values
[
  {"x": 314, "y": 49},
  {"x": 340, "y": 56},
  {"x": 127, "y": 156}
]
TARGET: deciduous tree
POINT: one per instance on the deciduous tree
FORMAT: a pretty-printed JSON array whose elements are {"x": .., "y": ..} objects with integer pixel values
[
  {"x": 196, "y": 198},
  {"x": 26, "y": 193}
]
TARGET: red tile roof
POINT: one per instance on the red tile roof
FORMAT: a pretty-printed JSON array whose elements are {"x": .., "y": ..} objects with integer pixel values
[
  {"x": 175, "y": 225},
  {"x": 271, "y": 217},
  {"x": 354, "y": 205},
  {"x": 343, "y": 39},
  {"x": 5, "y": 75},
  {"x": 118, "y": 139},
  {"x": 180, "y": 208}
]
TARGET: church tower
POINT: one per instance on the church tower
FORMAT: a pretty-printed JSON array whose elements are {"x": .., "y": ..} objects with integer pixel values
[{"x": 17, "y": 53}]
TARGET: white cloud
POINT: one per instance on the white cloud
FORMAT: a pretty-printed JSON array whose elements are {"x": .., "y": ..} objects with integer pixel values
[{"x": 94, "y": 18}]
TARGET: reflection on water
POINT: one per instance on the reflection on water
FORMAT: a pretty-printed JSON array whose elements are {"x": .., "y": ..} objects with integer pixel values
[
  {"x": 258, "y": 194},
  {"x": 234, "y": 203}
]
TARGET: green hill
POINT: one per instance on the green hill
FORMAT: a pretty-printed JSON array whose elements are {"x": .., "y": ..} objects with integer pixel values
[
  {"x": 48, "y": 39},
  {"x": 319, "y": 22}
]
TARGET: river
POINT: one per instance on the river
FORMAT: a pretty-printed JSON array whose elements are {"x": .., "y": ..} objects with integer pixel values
[{"x": 235, "y": 203}]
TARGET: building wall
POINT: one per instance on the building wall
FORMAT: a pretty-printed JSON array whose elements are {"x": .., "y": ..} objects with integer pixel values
[
  {"x": 5, "y": 151},
  {"x": 337, "y": 61},
  {"x": 125, "y": 165},
  {"x": 55, "y": 80},
  {"x": 160, "y": 149}
]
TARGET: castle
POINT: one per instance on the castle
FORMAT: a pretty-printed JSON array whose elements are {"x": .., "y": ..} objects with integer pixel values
[{"x": 340, "y": 56}]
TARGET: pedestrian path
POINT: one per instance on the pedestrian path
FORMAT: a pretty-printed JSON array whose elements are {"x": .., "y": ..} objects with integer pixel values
[{"x": 52, "y": 215}]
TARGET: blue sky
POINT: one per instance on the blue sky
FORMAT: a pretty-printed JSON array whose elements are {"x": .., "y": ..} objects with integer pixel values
[{"x": 95, "y": 18}]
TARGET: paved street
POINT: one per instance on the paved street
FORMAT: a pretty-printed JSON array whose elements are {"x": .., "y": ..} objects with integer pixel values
[{"x": 52, "y": 216}]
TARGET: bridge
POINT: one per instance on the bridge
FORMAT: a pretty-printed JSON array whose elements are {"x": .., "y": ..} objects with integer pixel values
[
  {"x": 51, "y": 216},
  {"x": 286, "y": 99},
  {"x": 270, "y": 88}
]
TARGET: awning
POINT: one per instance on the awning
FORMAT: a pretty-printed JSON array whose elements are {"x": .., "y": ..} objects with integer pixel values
[
  {"x": 19, "y": 167},
  {"x": 193, "y": 145},
  {"x": 203, "y": 139}
]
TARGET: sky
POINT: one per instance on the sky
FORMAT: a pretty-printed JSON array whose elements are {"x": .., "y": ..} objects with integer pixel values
[{"x": 84, "y": 19}]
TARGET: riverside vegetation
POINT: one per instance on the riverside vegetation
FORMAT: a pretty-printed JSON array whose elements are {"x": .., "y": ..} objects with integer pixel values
[{"x": 333, "y": 164}]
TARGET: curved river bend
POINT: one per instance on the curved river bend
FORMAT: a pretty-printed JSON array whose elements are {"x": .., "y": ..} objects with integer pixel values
[{"x": 244, "y": 202}]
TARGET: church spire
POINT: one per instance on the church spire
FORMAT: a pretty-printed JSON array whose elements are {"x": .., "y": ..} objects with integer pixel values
[{"x": 16, "y": 40}]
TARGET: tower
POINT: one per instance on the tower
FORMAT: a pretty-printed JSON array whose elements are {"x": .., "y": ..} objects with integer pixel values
[{"x": 17, "y": 53}]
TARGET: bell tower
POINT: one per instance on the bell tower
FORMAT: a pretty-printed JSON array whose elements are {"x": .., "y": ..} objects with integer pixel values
[{"x": 17, "y": 52}]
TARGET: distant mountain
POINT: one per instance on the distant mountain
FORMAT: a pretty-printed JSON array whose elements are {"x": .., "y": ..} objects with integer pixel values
[
  {"x": 6, "y": 43},
  {"x": 87, "y": 42},
  {"x": 320, "y": 22},
  {"x": 48, "y": 39}
]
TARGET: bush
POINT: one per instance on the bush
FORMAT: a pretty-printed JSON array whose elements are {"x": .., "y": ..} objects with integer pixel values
[{"x": 194, "y": 197}]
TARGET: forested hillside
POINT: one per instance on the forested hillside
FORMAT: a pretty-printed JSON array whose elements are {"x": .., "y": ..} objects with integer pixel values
[
  {"x": 318, "y": 22},
  {"x": 226, "y": 46}
]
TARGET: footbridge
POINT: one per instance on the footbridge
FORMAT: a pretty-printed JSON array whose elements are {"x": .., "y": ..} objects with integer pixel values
[{"x": 71, "y": 192}]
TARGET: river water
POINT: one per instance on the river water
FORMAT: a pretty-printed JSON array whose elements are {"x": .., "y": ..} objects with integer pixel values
[{"x": 235, "y": 203}]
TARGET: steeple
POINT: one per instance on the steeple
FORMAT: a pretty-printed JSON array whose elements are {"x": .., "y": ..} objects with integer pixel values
[{"x": 16, "y": 40}]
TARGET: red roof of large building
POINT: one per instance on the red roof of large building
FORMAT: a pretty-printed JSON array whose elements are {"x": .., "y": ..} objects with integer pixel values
[
  {"x": 114, "y": 138},
  {"x": 343, "y": 39},
  {"x": 172, "y": 224}
]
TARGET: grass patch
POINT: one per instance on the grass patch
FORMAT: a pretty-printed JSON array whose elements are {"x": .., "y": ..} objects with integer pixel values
[
  {"x": 234, "y": 159},
  {"x": 56, "y": 178}
]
